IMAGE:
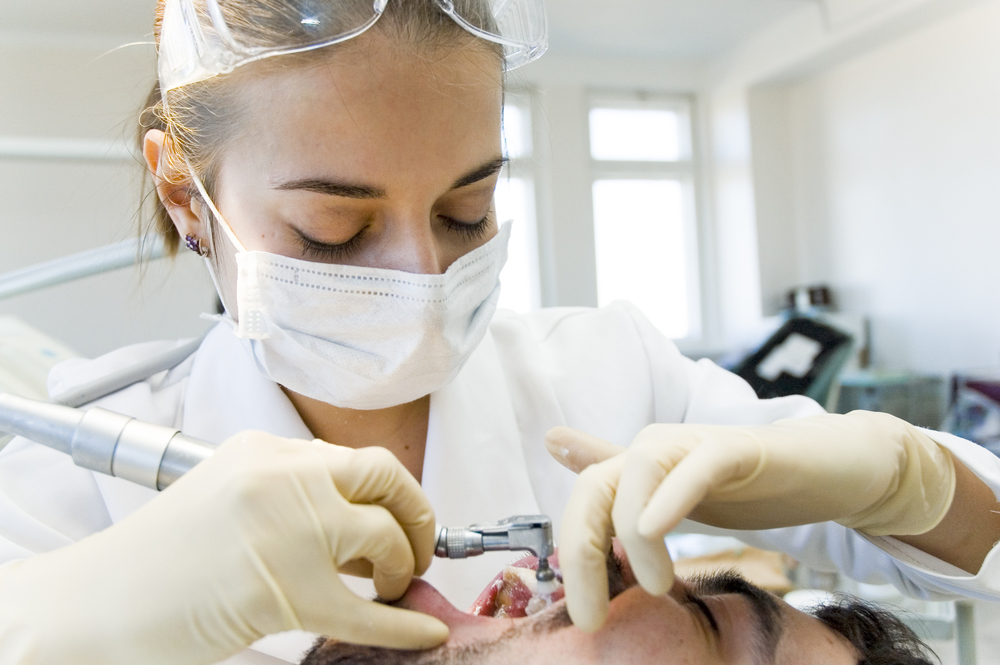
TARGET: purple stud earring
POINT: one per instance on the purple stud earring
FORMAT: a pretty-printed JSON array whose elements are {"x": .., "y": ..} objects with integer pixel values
[{"x": 195, "y": 245}]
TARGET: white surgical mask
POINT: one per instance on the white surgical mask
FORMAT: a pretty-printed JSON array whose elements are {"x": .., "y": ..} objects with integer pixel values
[{"x": 357, "y": 337}]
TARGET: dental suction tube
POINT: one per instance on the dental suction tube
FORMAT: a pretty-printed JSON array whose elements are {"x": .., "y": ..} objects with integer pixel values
[{"x": 150, "y": 455}]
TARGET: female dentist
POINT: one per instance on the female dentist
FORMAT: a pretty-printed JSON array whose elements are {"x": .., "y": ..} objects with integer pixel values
[{"x": 335, "y": 165}]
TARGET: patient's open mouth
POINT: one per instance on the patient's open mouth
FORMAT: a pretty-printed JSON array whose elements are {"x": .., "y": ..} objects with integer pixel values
[{"x": 513, "y": 592}]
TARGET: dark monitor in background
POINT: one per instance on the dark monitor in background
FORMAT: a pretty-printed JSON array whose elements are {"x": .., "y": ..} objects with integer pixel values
[{"x": 802, "y": 358}]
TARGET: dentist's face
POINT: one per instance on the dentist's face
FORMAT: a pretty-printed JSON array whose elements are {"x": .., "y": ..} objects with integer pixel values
[
  {"x": 718, "y": 619},
  {"x": 381, "y": 155}
]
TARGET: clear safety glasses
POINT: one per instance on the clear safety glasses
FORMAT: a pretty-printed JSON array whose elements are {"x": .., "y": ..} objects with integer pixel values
[{"x": 200, "y": 39}]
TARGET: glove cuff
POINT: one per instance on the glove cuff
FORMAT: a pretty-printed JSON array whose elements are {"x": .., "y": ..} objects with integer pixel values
[{"x": 924, "y": 488}]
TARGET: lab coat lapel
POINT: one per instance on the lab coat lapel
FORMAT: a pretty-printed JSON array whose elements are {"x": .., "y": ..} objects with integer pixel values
[
  {"x": 225, "y": 395},
  {"x": 474, "y": 467}
]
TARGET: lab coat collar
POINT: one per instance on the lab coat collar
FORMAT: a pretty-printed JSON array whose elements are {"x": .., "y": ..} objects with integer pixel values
[{"x": 226, "y": 395}]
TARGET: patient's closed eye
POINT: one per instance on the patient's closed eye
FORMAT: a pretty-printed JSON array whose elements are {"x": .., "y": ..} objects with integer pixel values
[{"x": 704, "y": 610}]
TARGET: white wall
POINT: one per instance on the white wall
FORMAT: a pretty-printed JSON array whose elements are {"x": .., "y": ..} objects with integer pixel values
[
  {"x": 880, "y": 176},
  {"x": 54, "y": 207}
]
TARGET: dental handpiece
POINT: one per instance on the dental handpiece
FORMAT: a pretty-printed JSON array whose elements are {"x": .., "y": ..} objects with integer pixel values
[
  {"x": 104, "y": 441},
  {"x": 155, "y": 456},
  {"x": 532, "y": 533}
]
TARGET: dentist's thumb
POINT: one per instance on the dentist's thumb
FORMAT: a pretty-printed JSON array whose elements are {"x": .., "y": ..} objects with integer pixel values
[{"x": 577, "y": 450}]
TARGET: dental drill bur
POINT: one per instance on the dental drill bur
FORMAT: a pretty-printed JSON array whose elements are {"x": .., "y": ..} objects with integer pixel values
[{"x": 532, "y": 533}]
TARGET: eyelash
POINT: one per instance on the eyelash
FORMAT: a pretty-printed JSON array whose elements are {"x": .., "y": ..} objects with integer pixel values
[
  {"x": 327, "y": 252},
  {"x": 473, "y": 231},
  {"x": 703, "y": 608}
]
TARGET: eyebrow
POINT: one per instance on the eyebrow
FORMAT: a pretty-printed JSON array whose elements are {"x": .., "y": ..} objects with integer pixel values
[
  {"x": 365, "y": 192},
  {"x": 766, "y": 610},
  {"x": 481, "y": 173},
  {"x": 333, "y": 188}
]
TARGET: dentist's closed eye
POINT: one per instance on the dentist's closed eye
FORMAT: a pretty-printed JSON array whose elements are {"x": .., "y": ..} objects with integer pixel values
[
  {"x": 469, "y": 230},
  {"x": 330, "y": 252}
]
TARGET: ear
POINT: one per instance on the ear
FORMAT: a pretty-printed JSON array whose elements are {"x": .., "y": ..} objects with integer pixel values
[{"x": 174, "y": 193}]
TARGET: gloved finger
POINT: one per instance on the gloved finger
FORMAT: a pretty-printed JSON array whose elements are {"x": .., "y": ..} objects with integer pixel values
[
  {"x": 704, "y": 470},
  {"x": 374, "y": 475},
  {"x": 645, "y": 468},
  {"x": 371, "y": 533},
  {"x": 577, "y": 450},
  {"x": 375, "y": 624},
  {"x": 585, "y": 542}
]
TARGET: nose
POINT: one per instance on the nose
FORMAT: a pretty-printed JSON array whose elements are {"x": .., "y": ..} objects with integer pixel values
[{"x": 412, "y": 247}]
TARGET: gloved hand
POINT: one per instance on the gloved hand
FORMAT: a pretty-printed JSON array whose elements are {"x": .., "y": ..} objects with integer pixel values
[
  {"x": 868, "y": 471},
  {"x": 246, "y": 544}
]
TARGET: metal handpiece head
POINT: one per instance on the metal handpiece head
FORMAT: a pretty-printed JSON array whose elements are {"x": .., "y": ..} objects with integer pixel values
[{"x": 530, "y": 533}]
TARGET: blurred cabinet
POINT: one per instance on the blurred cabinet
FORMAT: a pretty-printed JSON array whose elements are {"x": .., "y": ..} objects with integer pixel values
[{"x": 917, "y": 399}]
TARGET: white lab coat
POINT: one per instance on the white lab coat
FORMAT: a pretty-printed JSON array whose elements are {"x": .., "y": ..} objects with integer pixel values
[{"x": 605, "y": 371}]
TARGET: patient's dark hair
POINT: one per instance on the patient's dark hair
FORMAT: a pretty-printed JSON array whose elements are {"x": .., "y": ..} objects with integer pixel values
[{"x": 878, "y": 635}]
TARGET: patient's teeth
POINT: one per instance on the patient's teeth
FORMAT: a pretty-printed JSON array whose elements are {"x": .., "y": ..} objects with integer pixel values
[
  {"x": 537, "y": 604},
  {"x": 522, "y": 594}
]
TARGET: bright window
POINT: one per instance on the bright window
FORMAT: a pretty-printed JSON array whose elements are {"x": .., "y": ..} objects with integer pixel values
[
  {"x": 515, "y": 200},
  {"x": 634, "y": 134},
  {"x": 516, "y": 131},
  {"x": 644, "y": 231},
  {"x": 639, "y": 238}
]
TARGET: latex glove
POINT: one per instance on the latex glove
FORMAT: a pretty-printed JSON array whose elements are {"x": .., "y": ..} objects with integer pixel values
[
  {"x": 248, "y": 543},
  {"x": 867, "y": 471}
]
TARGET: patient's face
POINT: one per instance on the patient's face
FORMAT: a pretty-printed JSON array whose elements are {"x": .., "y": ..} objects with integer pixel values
[{"x": 715, "y": 619}]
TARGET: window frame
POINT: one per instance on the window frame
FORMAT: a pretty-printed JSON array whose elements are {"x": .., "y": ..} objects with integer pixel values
[
  {"x": 685, "y": 170},
  {"x": 526, "y": 167}
]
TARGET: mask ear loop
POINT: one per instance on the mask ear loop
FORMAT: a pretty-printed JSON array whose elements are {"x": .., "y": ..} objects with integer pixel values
[
  {"x": 215, "y": 211},
  {"x": 214, "y": 215},
  {"x": 251, "y": 324}
]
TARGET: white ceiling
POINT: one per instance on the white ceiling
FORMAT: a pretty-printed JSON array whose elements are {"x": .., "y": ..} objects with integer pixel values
[{"x": 681, "y": 29}]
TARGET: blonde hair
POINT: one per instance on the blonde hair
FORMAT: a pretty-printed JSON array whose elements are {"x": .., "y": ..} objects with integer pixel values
[{"x": 199, "y": 119}]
